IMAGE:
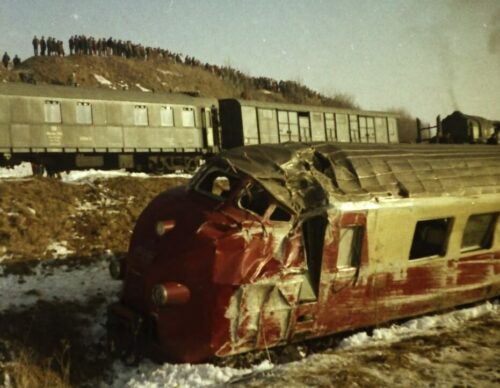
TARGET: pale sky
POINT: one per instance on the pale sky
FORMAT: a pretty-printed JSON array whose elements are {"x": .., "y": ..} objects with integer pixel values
[{"x": 429, "y": 57}]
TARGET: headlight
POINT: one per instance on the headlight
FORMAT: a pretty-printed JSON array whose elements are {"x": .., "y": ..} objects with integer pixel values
[
  {"x": 170, "y": 293},
  {"x": 163, "y": 227}
]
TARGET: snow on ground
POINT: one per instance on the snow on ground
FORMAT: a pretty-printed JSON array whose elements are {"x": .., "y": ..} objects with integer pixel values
[
  {"x": 82, "y": 176},
  {"x": 82, "y": 282},
  {"x": 142, "y": 88},
  {"x": 20, "y": 171},
  {"x": 102, "y": 80}
]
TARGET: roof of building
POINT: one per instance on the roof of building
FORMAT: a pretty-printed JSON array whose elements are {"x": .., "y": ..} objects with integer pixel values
[{"x": 306, "y": 176}]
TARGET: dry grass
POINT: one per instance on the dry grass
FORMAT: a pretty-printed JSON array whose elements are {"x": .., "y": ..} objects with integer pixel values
[{"x": 29, "y": 371}]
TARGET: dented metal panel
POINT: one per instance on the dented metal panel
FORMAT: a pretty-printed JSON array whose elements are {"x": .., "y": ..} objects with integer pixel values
[{"x": 326, "y": 245}]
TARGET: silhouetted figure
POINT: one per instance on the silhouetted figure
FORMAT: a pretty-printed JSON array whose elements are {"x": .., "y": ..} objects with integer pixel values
[
  {"x": 35, "y": 45},
  {"x": 71, "y": 45},
  {"x": 6, "y": 60},
  {"x": 43, "y": 46},
  {"x": 16, "y": 61}
]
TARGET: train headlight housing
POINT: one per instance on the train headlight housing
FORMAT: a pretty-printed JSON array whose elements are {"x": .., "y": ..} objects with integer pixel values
[
  {"x": 169, "y": 293},
  {"x": 163, "y": 227}
]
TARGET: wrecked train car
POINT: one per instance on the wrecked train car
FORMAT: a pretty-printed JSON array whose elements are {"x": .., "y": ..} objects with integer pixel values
[{"x": 271, "y": 244}]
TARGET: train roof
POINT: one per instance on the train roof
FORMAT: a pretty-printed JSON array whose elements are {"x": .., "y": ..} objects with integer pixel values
[
  {"x": 90, "y": 93},
  {"x": 481, "y": 120},
  {"x": 307, "y": 176},
  {"x": 312, "y": 108}
]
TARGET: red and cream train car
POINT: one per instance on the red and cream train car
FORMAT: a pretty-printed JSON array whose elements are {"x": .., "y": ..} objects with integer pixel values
[{"x": 272, "y": 244}]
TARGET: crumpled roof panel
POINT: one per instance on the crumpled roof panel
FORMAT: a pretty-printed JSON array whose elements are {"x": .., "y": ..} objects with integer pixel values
[{"x": 306, "y": 176}]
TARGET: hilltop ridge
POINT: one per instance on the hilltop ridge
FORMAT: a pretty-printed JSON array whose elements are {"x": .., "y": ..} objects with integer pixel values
[{"x": 164, "y": 74}]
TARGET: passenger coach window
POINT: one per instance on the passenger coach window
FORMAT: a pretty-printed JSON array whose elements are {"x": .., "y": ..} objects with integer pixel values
[
  {"x": 83, "y": 113},
  {"x": 140, "y": 115},
  {"x": 52, "y": 110},
  {"x": 330, "y": 127},
  {"x": 188, "y": 117},
  {"x": 167, "y": 116},
  {"x": 430, "y": 238},
  {"x": 479, "y": 231},
  {"x": 350, "y": 247}
]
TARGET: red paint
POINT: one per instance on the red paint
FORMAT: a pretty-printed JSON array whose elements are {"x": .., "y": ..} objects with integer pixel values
[{"x": 244, "y": 283}]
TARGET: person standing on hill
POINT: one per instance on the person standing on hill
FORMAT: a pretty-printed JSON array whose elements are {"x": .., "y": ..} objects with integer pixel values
[
  {"x": 71, "y": 45},
  {"x": 16, "y": 61},
  {"x": 43, "y": 46},
  {"x": 35, "y": 45},
  {"x": 6, "y": 60}
]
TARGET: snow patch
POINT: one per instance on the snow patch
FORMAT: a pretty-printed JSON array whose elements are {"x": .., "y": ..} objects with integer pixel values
[
  {"x": 102, "y": 80},
  {"x": 168, "y": 72},
  {"x": 59, "y": 249},
  {"x": 20, "y": 171},
  {"x": 142, "y": 88},
  {"x": 428, "y": 325}
]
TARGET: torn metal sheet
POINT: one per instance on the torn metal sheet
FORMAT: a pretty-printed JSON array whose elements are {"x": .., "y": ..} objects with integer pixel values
[{"x": 274, "y": 244}]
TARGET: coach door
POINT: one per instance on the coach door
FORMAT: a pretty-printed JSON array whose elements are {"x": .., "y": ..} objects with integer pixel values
[
  {"x": 313, "y": 234},
  {"x": 207, "y": 127}
]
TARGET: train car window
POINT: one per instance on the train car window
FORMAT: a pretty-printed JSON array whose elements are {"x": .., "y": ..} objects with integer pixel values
[
  {"x": 342, "y": 128},
  {"x": 52, "y": 111},
  {"x": 363, "y": 134},
  {"x": 430, "y": 238},
  {"x": 255, "y": 199},
  {"x": 479, "y": 231},
  {"x": 188, "y": 117},
  {"x": 140, "y": 115},
  {"x": 83, "y": 113},
  {"x": 354, "y": 129},
  {"x": 167, "y": 116},
  {"x": 370, "y": 129},
  {"x": 268, "y": 126},
  {"x": 381, "y": 130},
  {"x": 393, "y": 130},
  {"x": 350, "y": 246},
  {"x": 330, "y": 127}
]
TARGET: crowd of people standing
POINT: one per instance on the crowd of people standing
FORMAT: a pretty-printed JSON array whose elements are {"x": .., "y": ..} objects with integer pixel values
[{"x": 89, "y": 45}]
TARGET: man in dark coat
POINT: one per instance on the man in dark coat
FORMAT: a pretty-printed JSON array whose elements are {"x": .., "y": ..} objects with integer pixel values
[
  {"x": 16, "y": 61},
  {"x": 71, "y": 45},
  {"x": 35, "y": 45},
  {"x": 43, "y": 46},
  {"x": 6, "y": 60}
]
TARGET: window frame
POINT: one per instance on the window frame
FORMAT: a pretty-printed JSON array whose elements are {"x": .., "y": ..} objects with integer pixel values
[
  {"x": 488, "y": 238},
  {"x": 83, "y": 104},
  {"x": 450, "y": 221},
  {"x": 52, "y": 103}
]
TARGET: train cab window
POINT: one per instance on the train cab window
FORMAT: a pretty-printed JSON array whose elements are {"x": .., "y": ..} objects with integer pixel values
[
  {"x": 430, "y": 238},
  {"x": 280, "y": 214},
  {"x": 255, "y": 199},
  {"x": 350, "y": 247},
  {"x": 140, "y": 115},
  {"x": 479, "y": 231},
  {"x": 216, "y": 184},
  {"x": 83, "y": 113},
  {"x": 188, "y": 117},
  {"x": 167, "y": 116},
  {"x": 52, "y": 110}
]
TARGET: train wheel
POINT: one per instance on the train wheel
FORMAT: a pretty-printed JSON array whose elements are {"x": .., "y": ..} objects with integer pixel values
[{"x": 192, "y": 165}]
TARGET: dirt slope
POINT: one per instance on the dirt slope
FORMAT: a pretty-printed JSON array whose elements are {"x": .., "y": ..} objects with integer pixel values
[{"x": 89, "y": 219}]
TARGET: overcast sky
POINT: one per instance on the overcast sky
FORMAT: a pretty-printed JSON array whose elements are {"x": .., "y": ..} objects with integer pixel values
[{"x": 427, "y": 56}]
